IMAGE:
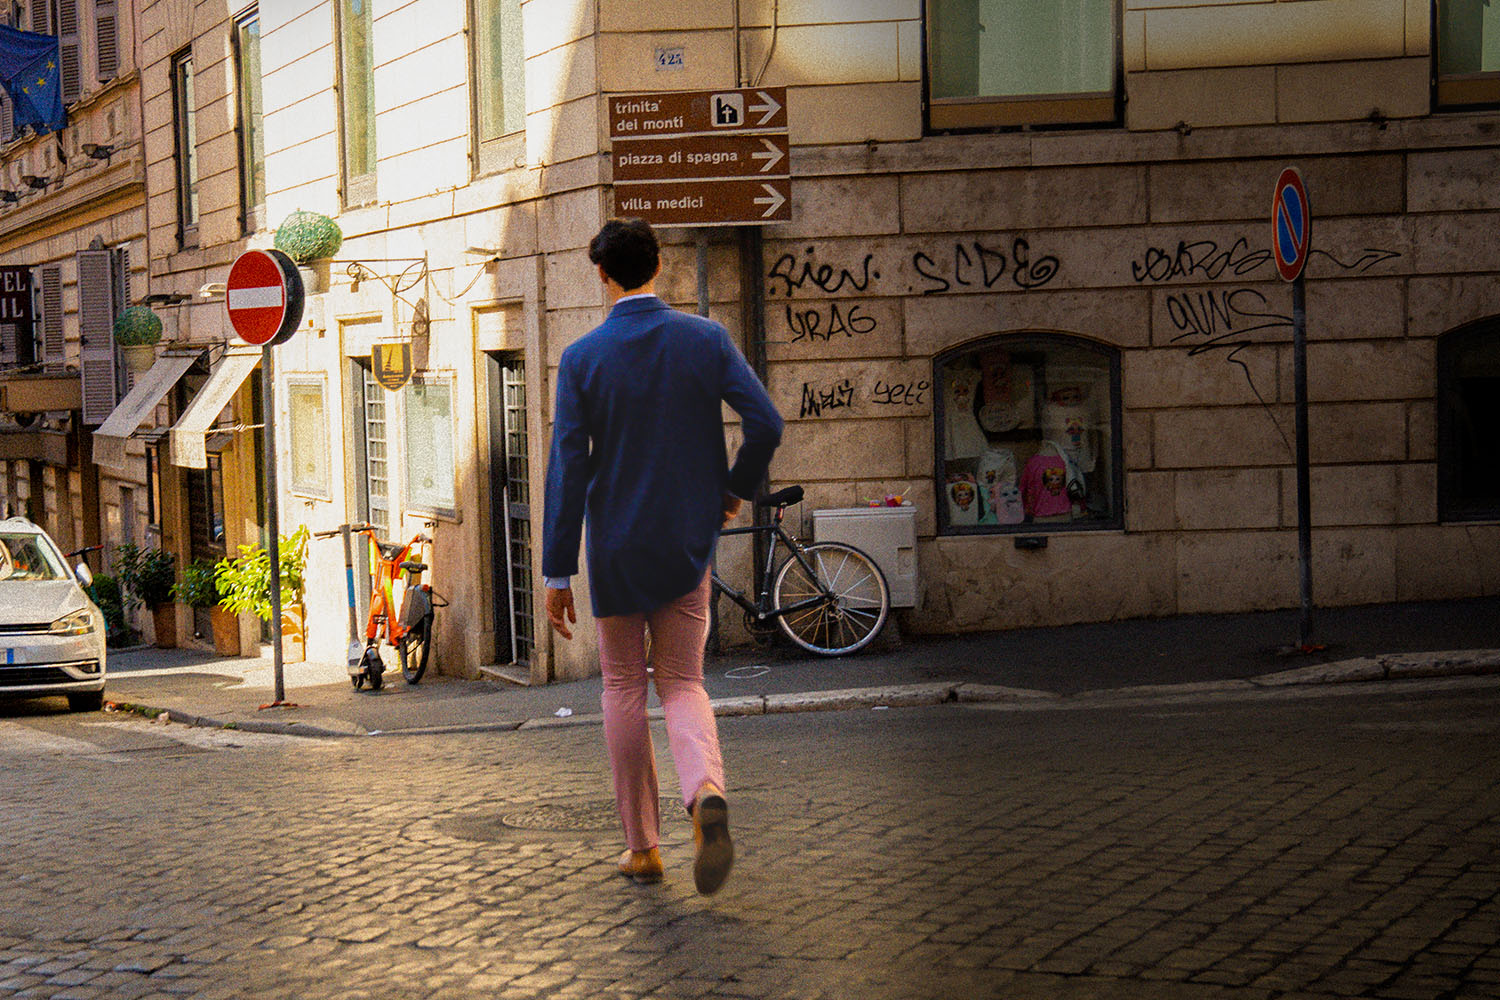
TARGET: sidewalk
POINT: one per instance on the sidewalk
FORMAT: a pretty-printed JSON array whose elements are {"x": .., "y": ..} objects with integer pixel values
[{"x": 1195, "y": 652}]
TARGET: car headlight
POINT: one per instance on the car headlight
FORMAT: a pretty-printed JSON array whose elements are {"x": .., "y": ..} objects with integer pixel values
[{"x": 81, "y": 622}]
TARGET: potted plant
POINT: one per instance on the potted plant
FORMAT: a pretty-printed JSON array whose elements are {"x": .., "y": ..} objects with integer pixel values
[
  {"x": 147, "y": 576},
  {"x": 244, "y": 584},
  {"x": 105, "y": 590},
  {"x": 138, "y": 330},
  {"x": 196, "y": 588},
  {"x": 310, "y": 239}
]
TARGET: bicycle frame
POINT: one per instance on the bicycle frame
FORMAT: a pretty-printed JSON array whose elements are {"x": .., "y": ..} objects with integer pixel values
[
  {"x": 761, "y": 607},
  {"x": 383, "y": 613}
]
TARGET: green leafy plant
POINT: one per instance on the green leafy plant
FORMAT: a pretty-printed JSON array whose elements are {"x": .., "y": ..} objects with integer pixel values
[
  {"x": 306, "y": 236},
  {"x": 195, "y": 586},
  {"x": 106, "y": 593},
  {"x": 244, "y": 581},
  {"x": 147, "y": 575},
  {"x": 137, "y": 325}
]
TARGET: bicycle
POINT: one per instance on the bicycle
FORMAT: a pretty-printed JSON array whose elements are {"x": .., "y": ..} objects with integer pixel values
[
  {"x": 828, "y": 597},
  {"x": 410, "y": 631}
]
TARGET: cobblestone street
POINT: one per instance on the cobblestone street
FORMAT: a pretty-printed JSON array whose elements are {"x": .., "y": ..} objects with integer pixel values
[{"x": 1334, "y": 842}]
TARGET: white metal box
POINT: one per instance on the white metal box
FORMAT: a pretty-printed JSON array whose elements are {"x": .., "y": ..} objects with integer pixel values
[{"x": 886, "y": 534}]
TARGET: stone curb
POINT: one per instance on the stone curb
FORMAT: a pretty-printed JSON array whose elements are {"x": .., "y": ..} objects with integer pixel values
[{"x": 1363, "y": 669}]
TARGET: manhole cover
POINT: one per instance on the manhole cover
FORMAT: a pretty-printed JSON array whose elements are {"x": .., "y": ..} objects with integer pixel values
[{"x": 571, "y": 817}]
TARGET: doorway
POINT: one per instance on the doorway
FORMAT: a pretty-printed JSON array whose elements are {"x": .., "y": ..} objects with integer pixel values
[{"x": 510, "y": 509}]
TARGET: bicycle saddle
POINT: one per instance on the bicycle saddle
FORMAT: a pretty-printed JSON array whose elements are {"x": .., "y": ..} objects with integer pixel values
[{"x": 781, "y": 498}]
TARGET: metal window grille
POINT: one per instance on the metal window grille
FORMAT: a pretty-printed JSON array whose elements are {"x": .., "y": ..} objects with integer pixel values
[{"x": 518, "y": 511}]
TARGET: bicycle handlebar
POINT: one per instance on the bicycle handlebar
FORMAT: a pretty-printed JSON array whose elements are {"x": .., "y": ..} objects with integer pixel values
[{"x": 362, "y": 526}]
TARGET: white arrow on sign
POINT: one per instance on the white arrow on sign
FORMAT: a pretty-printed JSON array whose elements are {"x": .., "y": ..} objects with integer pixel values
[
  {"x": 772, "y": 156},
  {"x": 776, "y": 200},
  {"x": 770, "y": 107}
]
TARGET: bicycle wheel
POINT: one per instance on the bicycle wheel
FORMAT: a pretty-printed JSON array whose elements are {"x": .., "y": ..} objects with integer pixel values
[
  {"x": 856, "y": 606},
  {"x": 413, "y": 648}
]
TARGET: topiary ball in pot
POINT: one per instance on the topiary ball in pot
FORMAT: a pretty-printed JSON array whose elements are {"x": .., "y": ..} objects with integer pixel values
[
  {"x": 137, "y": 325},
  {"x": 305, "y": 236}
]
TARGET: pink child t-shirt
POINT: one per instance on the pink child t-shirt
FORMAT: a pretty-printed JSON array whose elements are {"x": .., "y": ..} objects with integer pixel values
[{"x": 1044, "y": 486}]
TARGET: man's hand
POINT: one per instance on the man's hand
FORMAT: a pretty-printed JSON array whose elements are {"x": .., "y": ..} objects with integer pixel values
[
  {"x": 560, "y": 610},
  {"x": 732, "y": 505}
]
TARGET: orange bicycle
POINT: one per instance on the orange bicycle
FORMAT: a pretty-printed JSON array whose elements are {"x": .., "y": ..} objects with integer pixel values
[{"x": 410, "y": 630}]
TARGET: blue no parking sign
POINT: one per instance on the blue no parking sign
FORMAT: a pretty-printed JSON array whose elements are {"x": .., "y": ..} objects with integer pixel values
[{"x": 1291, "y": 224}]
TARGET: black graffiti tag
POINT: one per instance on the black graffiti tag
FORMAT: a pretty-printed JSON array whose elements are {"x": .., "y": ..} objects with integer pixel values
[
  {"x": 900, "y": 393},
  {"x": 1201, "y": 257},
  {"x": 978, "y": 266},
  {"x": 818, "y": 400},
  {"x": 810, "y": 325},
  {"x": 825, "y": 277}
]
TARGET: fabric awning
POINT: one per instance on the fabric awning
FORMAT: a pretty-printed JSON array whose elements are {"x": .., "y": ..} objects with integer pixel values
[
  {"x": 189, "y": 434},
  {"x": 150, "y": 389}
]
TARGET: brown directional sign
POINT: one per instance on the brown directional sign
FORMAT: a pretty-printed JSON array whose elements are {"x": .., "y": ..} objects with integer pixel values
[
  {"x": 702, "y": 158},
  {"x": 676, "y": 112},
  {"x": 706, "y": 203}
]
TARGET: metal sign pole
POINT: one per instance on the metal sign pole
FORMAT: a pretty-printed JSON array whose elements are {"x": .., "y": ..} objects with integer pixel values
[
  {"x": 1304, "y": 475},
  {"x": 273, "y": 520}
]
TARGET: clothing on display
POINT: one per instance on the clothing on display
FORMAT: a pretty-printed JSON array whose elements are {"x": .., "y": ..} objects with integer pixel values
[
  {"x": 1069, "y": 417},
  {"x": 962, "y": 437},
  {"x": 1006, "y": 400},
  {"x": 997, "y": 482},
  {"x": 1044, "y": 485},
  {"x": 964, "y": 505}
]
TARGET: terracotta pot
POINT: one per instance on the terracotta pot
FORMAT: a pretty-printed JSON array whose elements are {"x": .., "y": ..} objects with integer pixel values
[
  {"x": 226, "y": 629},
  {"x": 293, "y": 634},
  {"x": 164, "y": 621}
]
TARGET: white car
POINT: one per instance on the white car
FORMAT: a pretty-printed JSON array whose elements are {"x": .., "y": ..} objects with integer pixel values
[{"x": 51, "y": 634}]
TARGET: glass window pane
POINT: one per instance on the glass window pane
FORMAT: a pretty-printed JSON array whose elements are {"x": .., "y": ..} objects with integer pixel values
[
  {"x": 187, "y": 140},
  {"x": 1468, "y": 37},
  {"x": 309, "y": 428},
  {"x": 499, "y": 66},
  {"x": 429, "y": 444},
  {"x": 1015, "y": 48},
  {"x": 252, "y": 140},
  {"x": 1027, "y": 436},
  {"x": 357, "y": 87}
]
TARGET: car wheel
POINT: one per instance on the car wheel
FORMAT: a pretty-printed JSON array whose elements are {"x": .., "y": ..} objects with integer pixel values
[{"x": 89, "y": 701}]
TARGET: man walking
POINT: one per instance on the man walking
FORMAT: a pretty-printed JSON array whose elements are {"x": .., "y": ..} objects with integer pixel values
[{"x": 638, "y": 445}]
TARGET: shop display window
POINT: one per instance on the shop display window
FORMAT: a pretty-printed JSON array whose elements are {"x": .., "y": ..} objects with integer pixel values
[{"x": 1028, "y": 436}]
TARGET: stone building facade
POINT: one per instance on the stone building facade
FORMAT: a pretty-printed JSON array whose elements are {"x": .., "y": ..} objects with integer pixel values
[{"x": 1027, "y": 283}]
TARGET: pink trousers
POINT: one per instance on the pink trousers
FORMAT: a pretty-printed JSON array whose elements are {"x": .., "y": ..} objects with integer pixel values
[{"x": 678, "y": 633}]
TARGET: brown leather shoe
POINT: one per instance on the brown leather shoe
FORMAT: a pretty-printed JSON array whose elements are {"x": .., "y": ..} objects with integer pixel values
[
  {"x": 715, "y": 851},
  {"x": 644, "y": 867}
]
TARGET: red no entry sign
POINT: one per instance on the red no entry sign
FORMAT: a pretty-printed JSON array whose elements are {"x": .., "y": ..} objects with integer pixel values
[
  {"x": 264, "y": 297},
  {"x": 1291, "y": 224}
]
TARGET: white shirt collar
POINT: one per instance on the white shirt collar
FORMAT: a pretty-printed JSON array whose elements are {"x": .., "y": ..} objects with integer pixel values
[{"x": 637, "y": 295}]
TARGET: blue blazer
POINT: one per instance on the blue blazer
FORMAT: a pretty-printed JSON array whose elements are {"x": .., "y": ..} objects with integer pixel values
[{"x": 638, "y": 443}]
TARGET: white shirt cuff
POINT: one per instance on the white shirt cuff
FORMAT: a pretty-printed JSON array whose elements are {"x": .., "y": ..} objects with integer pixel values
[{"x": 558, "y": 582}]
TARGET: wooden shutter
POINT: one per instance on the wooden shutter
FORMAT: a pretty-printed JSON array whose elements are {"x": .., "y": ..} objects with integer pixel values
[
  {"x": 7, "y": 343},
  {"x": 39, "y": 22},
  {"x": 68, "y": 50},
  {"x": 96, "y": 318},
  {"x": 7, "y": 110},
  {"x": 107, "y": 39},
  {"x": 54, "y": 346}
]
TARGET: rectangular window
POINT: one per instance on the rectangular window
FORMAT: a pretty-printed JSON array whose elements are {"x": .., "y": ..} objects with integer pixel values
[
  {"x": 1028, "y": 436},
  {"x": 429, "y": 443},
  {"x": 185, "y": 138},
  {"x": 993, "y": 63},
  {"x": 499, "y": 78},
  {"x": 1468, "y": 53},
  {"x": 357, "y": 100},
  {"x": 1468, "y": 397},
  {"x": 153, "y": 486},
  {"x": 309, "y": 425},
  {"x": 252, "y": 139}
]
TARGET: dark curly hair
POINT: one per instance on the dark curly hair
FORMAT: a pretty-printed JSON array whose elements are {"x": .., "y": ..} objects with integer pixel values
[{"x": 628, "y": 252}]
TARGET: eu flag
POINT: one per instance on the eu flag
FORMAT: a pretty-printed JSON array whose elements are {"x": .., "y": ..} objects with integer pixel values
[{"x": 29, "y": 72}]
